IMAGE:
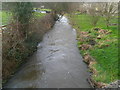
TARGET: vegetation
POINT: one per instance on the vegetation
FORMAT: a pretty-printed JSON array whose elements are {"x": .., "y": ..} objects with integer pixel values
[
  {"x": 97, "y": 34},
  {"x": 17, "y": 48},
  {"x": 22, "y": 12},
  {"x": 104, "y": 48},
  {"x": 6, "y": 17},
  {"x": 38, "y": 15}
]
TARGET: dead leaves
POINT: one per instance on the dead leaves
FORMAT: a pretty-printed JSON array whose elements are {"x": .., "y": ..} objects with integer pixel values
[
  {"x": 85, "y": 47},
  {"x": 88, "y": 59},
  {"x": 99, "y": 37},
  {"x": 84, "y": 33},
  {"x": 103, "y": 44},
  {"x": 91, "y": 61},
  {"x": 102, "y": 31},
  {"x": 95, "y": 84}
]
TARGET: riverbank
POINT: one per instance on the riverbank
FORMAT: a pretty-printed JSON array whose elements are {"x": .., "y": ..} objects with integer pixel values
[
  {"x": 17, "y": 49},
  {"x": 99, "y": 48}
]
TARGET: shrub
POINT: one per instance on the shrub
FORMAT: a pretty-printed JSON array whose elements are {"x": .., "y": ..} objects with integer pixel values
[{"x": 22, "y": 13}]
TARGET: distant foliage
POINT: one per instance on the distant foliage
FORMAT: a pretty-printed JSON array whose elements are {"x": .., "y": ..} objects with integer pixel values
[{"x": 23, "y": 11}]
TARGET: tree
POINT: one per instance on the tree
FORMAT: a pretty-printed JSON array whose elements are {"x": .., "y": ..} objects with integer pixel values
[
  {"x": 22, "y": 13},
  {"x": 109, "y": 11},
  {"x": 92, "y": 9}
]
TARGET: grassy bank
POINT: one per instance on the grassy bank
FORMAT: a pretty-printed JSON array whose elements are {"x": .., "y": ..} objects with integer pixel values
[{"x": 100, "y": 43}]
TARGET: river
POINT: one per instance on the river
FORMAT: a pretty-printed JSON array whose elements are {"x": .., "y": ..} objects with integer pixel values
[{"x": 57, "y": 63}]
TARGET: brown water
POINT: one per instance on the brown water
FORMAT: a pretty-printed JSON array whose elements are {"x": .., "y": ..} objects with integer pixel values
[{"x": 56, "y": 64}]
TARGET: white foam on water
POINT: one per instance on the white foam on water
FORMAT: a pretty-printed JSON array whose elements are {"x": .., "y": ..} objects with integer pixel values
[{"x": 64, "y": 20}]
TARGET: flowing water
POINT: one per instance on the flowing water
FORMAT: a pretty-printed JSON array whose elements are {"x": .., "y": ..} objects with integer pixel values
[{"x": 56, "y": 64}]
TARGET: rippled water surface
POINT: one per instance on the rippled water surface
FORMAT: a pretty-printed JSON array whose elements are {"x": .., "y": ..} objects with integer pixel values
[{"x": 56, "y": 64}]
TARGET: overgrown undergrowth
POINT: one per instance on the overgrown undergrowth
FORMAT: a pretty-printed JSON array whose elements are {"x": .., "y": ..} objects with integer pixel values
[{"x": 16, "y": 49}]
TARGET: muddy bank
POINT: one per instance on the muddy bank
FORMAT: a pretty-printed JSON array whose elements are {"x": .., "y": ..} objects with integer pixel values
[{"x": 56, "y": 64}]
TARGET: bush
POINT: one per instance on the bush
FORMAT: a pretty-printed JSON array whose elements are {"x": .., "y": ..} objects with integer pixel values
[
  {"x": 94, "y": 20},
  {"x": 16, "y": 48},
  {"x": 22, "y": 13}
]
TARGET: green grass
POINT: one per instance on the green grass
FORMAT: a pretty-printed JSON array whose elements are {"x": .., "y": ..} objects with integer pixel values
[
  {"x": 107, "y": 57},
  {"x": 6, "y": 17},
  {"x": 38, "y": 15},
  {"x": 107, "y": 63},
  {"x": 84, "y": 22},
  {"x": 45, "y": 9}
]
